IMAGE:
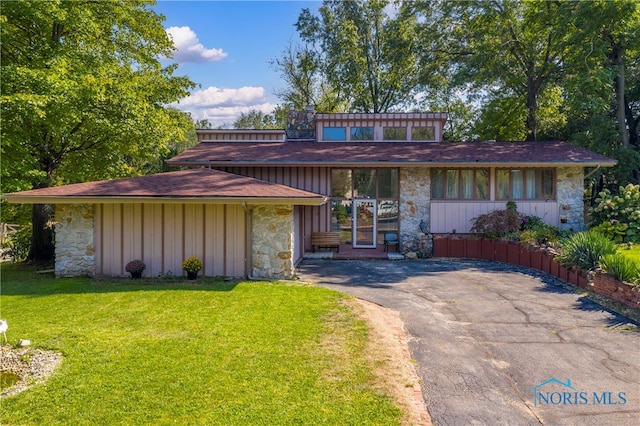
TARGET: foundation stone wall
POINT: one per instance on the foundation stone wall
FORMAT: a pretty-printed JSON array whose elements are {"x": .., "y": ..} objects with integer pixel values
[
  {"x": 415, "y": 198},
  {"x": 75, "y": 250},
  {"x": 570, "y": 195},
  {"x": 272, "y": 242}
]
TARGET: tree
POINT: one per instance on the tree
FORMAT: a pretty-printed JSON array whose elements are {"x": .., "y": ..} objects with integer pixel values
[
  {"x": 306, "y": 85},
  {"x": 255, "y": 119},
  {"x": 501, "y": 49},
  {"x": 366, "y": 56},
  {"x": 83, "y": 96}
]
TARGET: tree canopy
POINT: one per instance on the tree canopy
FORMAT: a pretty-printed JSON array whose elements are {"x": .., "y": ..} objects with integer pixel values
[{"x": 84, "y": 95}]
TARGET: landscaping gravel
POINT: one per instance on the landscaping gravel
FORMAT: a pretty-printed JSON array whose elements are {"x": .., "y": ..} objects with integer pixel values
[{"x": 31, "y": 365}]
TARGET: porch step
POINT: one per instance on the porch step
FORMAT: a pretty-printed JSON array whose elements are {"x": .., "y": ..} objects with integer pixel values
[
  {"x": 319, "y": 255},
  {"x": 395, "y": 256}
]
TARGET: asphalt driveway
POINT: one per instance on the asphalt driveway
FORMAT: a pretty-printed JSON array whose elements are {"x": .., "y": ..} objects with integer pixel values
[{"x": 497, "y": 344}]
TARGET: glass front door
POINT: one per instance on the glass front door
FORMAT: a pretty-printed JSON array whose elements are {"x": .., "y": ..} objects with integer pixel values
[{"x": 364, "y": 223}]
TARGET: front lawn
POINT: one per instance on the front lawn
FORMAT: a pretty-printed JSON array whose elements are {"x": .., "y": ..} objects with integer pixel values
[
  {"x": 632, "y": 252},
  {"x": 209, "y": 353}
]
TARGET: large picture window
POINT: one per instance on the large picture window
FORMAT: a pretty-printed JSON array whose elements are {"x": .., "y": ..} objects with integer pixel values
[
  {"x": 525, "y": 184},
  {"x": 460, "y": 184}
]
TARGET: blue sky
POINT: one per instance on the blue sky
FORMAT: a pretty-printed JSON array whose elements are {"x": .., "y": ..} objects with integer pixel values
[{"x": 225, "y": 47}]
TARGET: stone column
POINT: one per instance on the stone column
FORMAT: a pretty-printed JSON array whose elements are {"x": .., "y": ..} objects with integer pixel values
[
  {"x": 415, "y": 206},
  {"x": 570, "y": 196},
  {"x": 272, "y": 242},
  {"x": 75, "y": 250}
]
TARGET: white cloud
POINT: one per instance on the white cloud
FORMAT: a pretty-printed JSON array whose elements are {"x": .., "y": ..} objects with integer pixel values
[
  {"x": 189, "y": 48},
  {"x": 215, "y": 96},
  {"x": 222, "y": 106}
]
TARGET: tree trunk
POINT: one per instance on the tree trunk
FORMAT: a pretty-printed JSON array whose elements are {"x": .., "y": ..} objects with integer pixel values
[
  {"x": 618, "y": 62},
  {"x": 42, "y": 248},
  {"x": 532, "y": 110}
]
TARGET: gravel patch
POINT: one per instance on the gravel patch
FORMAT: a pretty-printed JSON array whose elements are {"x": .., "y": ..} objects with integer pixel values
[{"x": 31, "y": 365}]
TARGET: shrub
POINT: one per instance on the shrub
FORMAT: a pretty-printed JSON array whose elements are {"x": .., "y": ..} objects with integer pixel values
[
  {"x": 614, "y": 230},
  {"x": 18, "y": 245},
  {"x": 192, "y": 264},
  {"x": 622, "y": 268},
  {"x": 497, "y": 224},
  {"x": 135, "y": 266},
  {"x": 543, "y": 234},
  {"x": 530, "y": 222},
  {"x": 585, "y": 250},
  {"x": 623, "y": 208}
]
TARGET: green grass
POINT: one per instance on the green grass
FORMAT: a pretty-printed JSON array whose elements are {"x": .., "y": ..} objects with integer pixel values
[
  {"x": 212, "y": 353},
  {"x": 632, "y": 253}
]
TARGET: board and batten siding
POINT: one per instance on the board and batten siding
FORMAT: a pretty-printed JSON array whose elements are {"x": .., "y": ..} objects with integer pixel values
[
  {"x": 163, "y": 235},
  {"x": 447, "y": 216},
  {"x": 314, "y": 179}
]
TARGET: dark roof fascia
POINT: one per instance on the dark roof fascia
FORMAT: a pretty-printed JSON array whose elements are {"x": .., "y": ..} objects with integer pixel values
[
  {"x": 71, "y": 199},
  {"x": 383, "y": 164}
]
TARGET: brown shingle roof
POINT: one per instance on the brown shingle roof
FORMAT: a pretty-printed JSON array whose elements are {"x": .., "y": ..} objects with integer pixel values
[
  {"x": 197, "y": 183},
  {"x": 396, "y": 153}
]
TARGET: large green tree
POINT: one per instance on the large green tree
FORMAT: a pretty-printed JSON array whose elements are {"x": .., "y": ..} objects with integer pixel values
[
  {"x": 84, "y": 96},
  {"x": 366, "y": 54},
  {"x": 508, "y": 51}
]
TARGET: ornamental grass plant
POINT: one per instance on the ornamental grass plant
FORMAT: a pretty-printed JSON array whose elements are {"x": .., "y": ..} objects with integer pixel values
[
  {"x": 585, "y": 250},
  {"x": 621, "y": 267}
]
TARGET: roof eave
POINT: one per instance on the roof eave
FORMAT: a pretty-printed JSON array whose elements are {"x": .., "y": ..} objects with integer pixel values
[
  {"x": 39, "y": 199},
  {"x": 382, "y": 163}
]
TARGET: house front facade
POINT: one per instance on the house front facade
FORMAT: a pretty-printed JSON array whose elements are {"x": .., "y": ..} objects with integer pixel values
[{"x": 360, "y": 175}]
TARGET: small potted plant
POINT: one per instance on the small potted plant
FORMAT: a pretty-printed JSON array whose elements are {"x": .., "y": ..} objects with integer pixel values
[
  {"x": 135, "y": 268},
  {"x": 192, "y": 265}
]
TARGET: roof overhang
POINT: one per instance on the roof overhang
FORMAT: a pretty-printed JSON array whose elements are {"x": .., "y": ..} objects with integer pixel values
[
  {"x": 36, "y": 199},
  {"x": 382, "y": 164}
]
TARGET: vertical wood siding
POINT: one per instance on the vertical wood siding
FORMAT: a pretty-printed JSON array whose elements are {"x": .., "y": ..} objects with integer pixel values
[
  {"x": 163, "y": 235},
  {"x": 314, "y": 179},
  {"x": 447, "y": 216}
]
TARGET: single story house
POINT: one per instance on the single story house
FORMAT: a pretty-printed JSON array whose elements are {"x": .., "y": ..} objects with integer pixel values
[{"x": 247, "y": 201}]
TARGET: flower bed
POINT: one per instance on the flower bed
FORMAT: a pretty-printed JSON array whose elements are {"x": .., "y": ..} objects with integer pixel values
[{"x": 540, "y": 259}]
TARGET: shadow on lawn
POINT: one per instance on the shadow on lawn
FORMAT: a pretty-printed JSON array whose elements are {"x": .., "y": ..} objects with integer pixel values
[{"x": 24, "y": 280}]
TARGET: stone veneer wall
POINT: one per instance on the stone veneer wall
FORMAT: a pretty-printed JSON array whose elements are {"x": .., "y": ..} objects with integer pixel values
[
  {"x": 272, "y": 242},
  {"x": 75, "y": 251},
  {"x": 570, "y": 196},
  {"x": 415, "y": 206}
]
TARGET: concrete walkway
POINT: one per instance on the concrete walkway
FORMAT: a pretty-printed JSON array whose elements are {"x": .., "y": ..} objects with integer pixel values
[{"x": 498, "y": 344}]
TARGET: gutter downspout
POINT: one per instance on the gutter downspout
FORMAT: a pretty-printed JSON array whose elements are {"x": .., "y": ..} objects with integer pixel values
[
  {"x": 249, "y": 213},
  {"x": 592, "y": 171}
]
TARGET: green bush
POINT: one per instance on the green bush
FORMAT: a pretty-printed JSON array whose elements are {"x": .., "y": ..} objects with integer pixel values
[
  {"x": 614, "y": 230},
  {"x": 543, "y": 234},
  {"x": 621, "y": 267},
  {"x": 18, "y": 245},
  {"x": 585, "y": 250},
  {"x": 530, "y": 222},
  {"x": 623, "y": 209}
]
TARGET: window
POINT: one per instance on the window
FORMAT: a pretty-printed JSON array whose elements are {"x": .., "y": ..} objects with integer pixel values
[
  {"x": 525, "y": 184},
  {"x": 387, "y": 183},
  {"x": 362, "y": 133},
  {"x": 364, "y": 183},
  {"x": 341, "y": 185},
  {"x": 334, "y": 134},
  {"x": 394, "y": 133},
  {"x": 460, "y": 184},
  {"x": 423, "y": 134}
]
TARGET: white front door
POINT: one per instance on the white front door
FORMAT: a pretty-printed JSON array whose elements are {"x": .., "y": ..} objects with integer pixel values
[{"x": 364, "y": 223}]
